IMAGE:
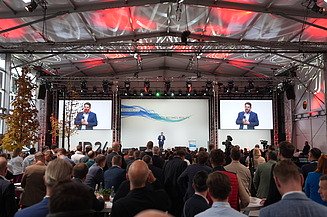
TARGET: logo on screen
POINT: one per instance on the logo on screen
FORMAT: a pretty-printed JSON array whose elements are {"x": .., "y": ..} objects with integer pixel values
[{"x": 138, "y": 111}]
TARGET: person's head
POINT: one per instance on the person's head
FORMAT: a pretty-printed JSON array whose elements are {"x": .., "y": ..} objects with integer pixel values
[
  {"x": 272, "y": 155},
  {"x": 39, "y": 156},
  {"x": 79, "y": 148},
  {"x": 149, "y": 145},
  {"x": 61, "y": 152},
  {"x": 16, "y": 152},
  {"x": 235, "y": 154},
  {"x": 286, "y": 150},
  {"x": 161, "y": 133},
  {"x": 57, "y": 171},
  {"x": 287, "y": 177},
  {"x": 32, "y": 150},
  {"x": 116, "y": 146},
  {"x": 256, "y": 152},
  {"x": 153, "y": 213},
  {"x": 48, "y": 155},
  {"x": 217, "y": 157},
  {"x": 202, "y": 157},
  {"x": 88, "y": 148},
  {"x": 181, "y": 153},
  {"x": 3, "y": 166},
  {"x": 247, "y": 107},
  {"x": 116, "y": 160},
  {"x": 322, "y": 164},
  {"x": 87, "y": 107},
  {"x": 80, "y": 171},
  {"x": 314, "y": 154},
  {"x": 156, "y": 150},
  {"x": 100, "y": 160},
  {"x": 137, "y": 154},
  {"x": 147, "y": 159},
  {"x": 91, "y": 154},
  {"x": 219, "y": 186},
  {"x": 199, "y": 181},
  {"x": 323, "y": 187},
  {"x": 138, "y": 173},
  {"x": 70, "y": 199}
]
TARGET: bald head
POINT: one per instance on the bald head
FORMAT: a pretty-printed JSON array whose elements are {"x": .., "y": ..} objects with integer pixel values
[
  {"x": 3, "y": 166},
  {"x": 138, "y": 174},
  {"x": 115, "y": 146},
  {"x": 153, "y": 213}
]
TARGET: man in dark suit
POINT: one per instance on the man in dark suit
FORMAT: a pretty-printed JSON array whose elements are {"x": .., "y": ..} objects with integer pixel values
[
  {"x": 185, "y": 180},
  {"x": 172, "y": 170},
  {"x": 157, "y": 160},
  {"x": 313, "y": 157},
  {"x": 197, "y": 202},
  {"x": 114, "y": 175},
  {"x": 247, "y": 119},
  {"x": 161, "y": 140},
  {"x": 294, "y": 202},
  {"x": 8, "y": 205},
  {"x": 94, "y": 176},
  {"x": 140, "y": 196},
  {"x": 86, "y": 120},
  {"x": 115, "y": 151}
]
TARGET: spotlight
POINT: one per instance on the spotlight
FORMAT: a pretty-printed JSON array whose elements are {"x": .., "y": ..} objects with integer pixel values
[
  {"x": 146, "y": 86},
  {"x": 95, "y": 89},
  {"x": 167, "y": 86},
  {"x": 31, "y": 7},
  {"x": 188, "y": 87},
  {"x": 185, "y": 36},
  {"x": 158, "y": 93},
  {"x": 230, "y": 86},
  {"x": 208, "y": 86},
  {"x": 172, "y": 93}
]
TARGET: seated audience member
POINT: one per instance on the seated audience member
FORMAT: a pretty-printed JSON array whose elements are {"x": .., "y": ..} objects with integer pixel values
[
  {"x": 157, "y": 160},
  {"x": 286, "y": 150},
  {"x": 57, "y": 171},
  {"x": 313, "y": 157},
  {"x": 219, "y": 189},
  {"x": 238, "y": 196},
  {"x": 79, "y": 174},
  {"x": 115, "y": 150},
  {"x": 140, "y": 196},
  {"x": 149, "y": 147},
  {"x": 236, "y": 167},
  {"x": 91, "y": 156},
  {"x": 294, "y": 202},
  {"x": 130, "y": 156},
  {"x": 157, "y": 172},
  {"x": 311, "y": 185},
  {"x": 172, "y": 170},
  {"x": 62, "y": 154},
  {"x": 114, "y": 175},
  {"x": 78, "y": 155},
  {"x": 263, "y": 174},
  {"x": 29, "y": 160},
  {"x": 86, "y": 157},
  {"x": 185, "y": 180},
  {"x": 197, "y": 202},
  {"x": 33, "y": 183},
  {"x": 8, "y": 205},
  {"x": 70, "y": 199},
  {"x": 153, "y": 213},
  {"x": 323, "y": 187},
  {"x": 95, "y": 174}
]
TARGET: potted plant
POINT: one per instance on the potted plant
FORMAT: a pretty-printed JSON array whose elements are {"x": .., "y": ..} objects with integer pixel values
[{"x": 105, "y": 193}]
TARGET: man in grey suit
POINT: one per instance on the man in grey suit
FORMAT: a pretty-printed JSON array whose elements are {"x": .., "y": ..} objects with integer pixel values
[{"x": 294, "y": 202}]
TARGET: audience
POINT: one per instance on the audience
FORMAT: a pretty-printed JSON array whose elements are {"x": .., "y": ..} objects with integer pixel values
[
  {"x": 323, "y": 187},
  {"x": 115, "y": 151},
  {"x": 311, "y": 185},
  {"x": 70, "y": 199},
  {"x": 29, "y": 160},
  {"x": 95, "y": 175},
  {"x": 56, "y": 172},
  {"x": 198, "y": 201},
  {"x": 8, "y": 205},
  {"x": 262, "y": 175},
  {"x": 185, "y": 180},
  {"x": 294, "y": 202},
  {"x": 78, "y": 154},
  {"x": 313, "y": 157},
  {"x": 156, "y": 171},
  {"x": 219, "y": 188},
  {"x": 114, "y": 175},
  {"x": 140, "y": 196},
  {"x": 33, "y": 183},
  {"x": 157, "y": 160}
]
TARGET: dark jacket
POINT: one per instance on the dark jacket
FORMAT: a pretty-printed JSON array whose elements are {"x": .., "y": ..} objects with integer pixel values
[
  {"x": 114, "y": 176},
  {"x": 7, "y": 198},
  {"x": 194, "y": 205}
]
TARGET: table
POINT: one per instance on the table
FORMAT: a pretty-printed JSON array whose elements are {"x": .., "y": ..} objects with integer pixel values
[
  {"x": 253, "y": 209},
  {"x": 106, "y": 210}
]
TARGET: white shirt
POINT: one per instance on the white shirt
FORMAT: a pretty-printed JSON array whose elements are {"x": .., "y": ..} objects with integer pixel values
[
  {"x": 246, "y": 117},
  {"x": 85, "y": 117}
]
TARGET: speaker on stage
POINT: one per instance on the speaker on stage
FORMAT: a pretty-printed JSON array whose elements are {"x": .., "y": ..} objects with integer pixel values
[
  {"x": 290, "y": 93},
  {"x": 42, "y": 91}
]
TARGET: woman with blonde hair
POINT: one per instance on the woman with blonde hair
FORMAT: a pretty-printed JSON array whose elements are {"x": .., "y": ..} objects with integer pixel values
[
  {"x": 312, "y": 182},
  {"x": 257, "y": 158}
]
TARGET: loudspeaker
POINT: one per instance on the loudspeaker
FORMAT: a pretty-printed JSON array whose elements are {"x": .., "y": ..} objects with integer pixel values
[
  {"x": 290, "y": 93},
  {"x": 42, "y": 91}
]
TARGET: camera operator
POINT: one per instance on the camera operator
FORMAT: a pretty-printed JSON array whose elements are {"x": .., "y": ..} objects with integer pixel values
[{"x": 228, "y": 148}]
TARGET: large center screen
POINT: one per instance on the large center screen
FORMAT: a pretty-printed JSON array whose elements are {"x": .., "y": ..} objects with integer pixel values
[
  {"x": 166, "y": 122},
  {"x": 246, "y": 114}
]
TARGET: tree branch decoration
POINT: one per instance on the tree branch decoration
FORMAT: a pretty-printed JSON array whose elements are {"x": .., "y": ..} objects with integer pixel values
[
  {"x": 54, "y": 128},
  {"x": 22, "y": 123}
]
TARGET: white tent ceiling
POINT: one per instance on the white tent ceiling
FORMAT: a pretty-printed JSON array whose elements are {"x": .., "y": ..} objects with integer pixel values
[{"x": 125, "y": 39}]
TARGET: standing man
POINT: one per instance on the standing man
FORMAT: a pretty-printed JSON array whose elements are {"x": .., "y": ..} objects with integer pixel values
[
  {"x": 86, "y": 120},
  {"x": 161, "y": 140},
  {"x": 247, "y": 119},
  {"x": 7, "y": 192}
]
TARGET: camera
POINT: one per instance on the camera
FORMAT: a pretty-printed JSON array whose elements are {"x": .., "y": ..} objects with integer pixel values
[{"x": 264, "y": 143}]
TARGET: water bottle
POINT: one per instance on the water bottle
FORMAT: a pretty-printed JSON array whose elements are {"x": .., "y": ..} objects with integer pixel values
[{"x": 112, "y": 193}]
